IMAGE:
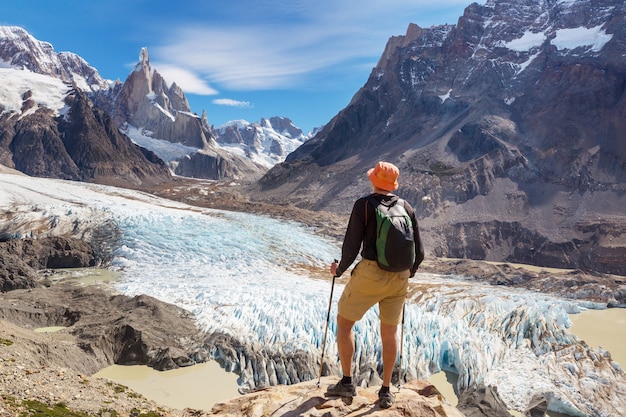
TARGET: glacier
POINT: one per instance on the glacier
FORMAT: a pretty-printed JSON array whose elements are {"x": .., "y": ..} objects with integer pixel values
[{"x": 264, "y": 282}]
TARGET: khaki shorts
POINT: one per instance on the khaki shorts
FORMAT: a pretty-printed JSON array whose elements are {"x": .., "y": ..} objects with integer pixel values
[{"x": 369, "y": 285}]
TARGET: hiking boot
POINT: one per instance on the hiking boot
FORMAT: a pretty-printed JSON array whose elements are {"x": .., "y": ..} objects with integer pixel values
[
  {"x": 341, "y": 390},
  {"x": 386, "y": 399}
]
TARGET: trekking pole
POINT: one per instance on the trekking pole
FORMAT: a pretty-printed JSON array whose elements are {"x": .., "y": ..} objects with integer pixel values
[
  {"x": 400, "y": 375},
  {"x": 330, "y": 301}
]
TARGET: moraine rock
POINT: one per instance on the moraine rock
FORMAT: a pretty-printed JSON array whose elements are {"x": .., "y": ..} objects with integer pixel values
[
  {"x": 20, "y": 259},
  {"x": 108, "y": 328},
  {"x": 482, "y": 401}
]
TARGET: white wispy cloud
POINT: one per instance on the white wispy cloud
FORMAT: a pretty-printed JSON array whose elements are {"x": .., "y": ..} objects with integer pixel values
[
  {"x": 233, "y": 103},
  {"x": 265, "y": 44},
  {"x": 188, "y": 80}
]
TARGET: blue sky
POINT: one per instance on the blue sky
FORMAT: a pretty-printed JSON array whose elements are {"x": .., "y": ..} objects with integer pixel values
[{"x": 236, "y": 59}]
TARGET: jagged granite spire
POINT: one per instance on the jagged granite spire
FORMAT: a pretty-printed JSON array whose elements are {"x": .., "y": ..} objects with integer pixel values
[{"x": 144, "y": 60}]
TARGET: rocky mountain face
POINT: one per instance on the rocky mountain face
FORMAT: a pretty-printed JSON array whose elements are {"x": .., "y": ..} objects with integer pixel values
[
  {"x": 49, "y": 127},
  {"x": 237, "y": 150},
  {"x": 508, "y": 130},
  {"x": 142, "y": 107},
  {"x": 242, "y": 150},
  {"x": 84, "y": 145},
  {"x": 144, "y": 100}
]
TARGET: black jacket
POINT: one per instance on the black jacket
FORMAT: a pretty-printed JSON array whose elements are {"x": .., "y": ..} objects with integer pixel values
[{"x": 361, "y": 231}]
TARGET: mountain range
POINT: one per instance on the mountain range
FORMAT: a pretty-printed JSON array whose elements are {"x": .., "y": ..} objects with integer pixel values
[
  {"x": 508, "y": 128},
  {"x": 143, "y": 108}
]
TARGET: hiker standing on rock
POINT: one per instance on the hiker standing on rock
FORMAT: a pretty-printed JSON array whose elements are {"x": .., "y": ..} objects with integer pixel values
[{"x": 381, "y": 276}]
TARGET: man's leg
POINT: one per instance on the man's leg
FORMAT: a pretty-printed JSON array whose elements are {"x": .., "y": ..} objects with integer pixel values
[
  {"x": 345, "y": 344},
  {"x": 390, "y": 350}
]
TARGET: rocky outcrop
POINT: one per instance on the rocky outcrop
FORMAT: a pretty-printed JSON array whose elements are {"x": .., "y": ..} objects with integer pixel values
[
  {"x": 217, "y": 165},
  {"x": 538, "y": 406},
  {"x": 20, "y": 259},
  {"x": 415, "y": 399},
  {"x": 510, "y": 148},
  {"x": 110, "y": 329},
  {"x": 482, "y": 401}
]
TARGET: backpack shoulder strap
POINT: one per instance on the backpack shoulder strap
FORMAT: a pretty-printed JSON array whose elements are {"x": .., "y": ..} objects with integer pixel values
[
  {"x": 404, "y": 204},
  {"x": 370, "y": 199}
]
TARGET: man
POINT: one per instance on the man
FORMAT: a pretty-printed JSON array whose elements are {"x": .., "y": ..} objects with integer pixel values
[{"x": 369, "y": 284}]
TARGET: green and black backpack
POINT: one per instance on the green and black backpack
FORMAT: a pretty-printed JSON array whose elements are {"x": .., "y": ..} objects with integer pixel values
[{"x": 395, "y": 242}]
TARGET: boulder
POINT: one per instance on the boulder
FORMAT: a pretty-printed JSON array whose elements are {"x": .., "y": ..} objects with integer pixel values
[
  {"x": 482, "y": 401},
  {"x": 415, "y": 399}
]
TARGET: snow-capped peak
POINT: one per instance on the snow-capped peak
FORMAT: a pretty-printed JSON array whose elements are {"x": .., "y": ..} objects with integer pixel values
[
  {"x": 266, "y": 143},
  {"x": 25, "y": 91},
  {"x": 20, "y": 50},
  {"x": 239, "y": 123}
]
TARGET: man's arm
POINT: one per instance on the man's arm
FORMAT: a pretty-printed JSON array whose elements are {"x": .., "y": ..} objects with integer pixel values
[{"x": 353, "y": 238}]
